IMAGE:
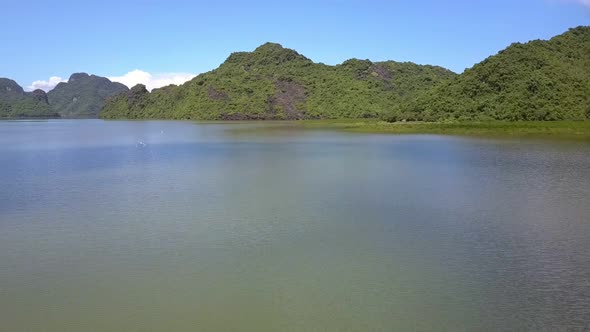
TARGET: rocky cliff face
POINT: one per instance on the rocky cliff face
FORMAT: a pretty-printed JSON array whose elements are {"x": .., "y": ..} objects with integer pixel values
[
  {"x": 83, "y": 95},
  {"x": 40, "y": 95}
]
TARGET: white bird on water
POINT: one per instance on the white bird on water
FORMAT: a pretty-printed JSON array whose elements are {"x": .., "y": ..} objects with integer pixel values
[{"x": 140, "y": 144}]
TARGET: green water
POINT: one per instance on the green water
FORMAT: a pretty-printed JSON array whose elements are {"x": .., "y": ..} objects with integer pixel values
[{"x": 181, "y": 226}]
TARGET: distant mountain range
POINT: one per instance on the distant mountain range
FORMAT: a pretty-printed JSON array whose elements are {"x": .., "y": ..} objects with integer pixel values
[
  {"x": 538, "y": 80},
  {"x": 81, "y": 97},
  {"x": 16, "y": 103}
]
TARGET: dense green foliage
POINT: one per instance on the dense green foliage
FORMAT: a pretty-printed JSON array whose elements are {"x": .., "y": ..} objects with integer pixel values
[
  {"x": 83, "y": 95},
  {"x": 16, "y": 103},
  {"x": 539, "y": 80},
  {"x": 273, "y": 82}
]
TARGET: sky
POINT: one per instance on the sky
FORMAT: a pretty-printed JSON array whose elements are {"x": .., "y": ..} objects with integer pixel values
[{"x": 158, "y": 42}]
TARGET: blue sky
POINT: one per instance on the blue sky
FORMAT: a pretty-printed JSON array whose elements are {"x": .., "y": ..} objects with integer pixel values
[{"x": 42, "y": 39}]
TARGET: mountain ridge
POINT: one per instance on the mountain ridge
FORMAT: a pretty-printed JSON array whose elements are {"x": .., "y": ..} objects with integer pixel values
[
  {"x": 537, "y": 80},
  {"x": 277, "y": 83}
]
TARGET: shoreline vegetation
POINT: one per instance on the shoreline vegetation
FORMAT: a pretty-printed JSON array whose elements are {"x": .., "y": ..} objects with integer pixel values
[
  {"x": 539, "y": 129},
  {"x": 578, "y": 130}
]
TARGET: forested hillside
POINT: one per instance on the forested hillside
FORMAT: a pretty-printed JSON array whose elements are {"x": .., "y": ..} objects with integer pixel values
[
  {"x": 539, "y": 80},
  {"x": 273, "y": 82}
]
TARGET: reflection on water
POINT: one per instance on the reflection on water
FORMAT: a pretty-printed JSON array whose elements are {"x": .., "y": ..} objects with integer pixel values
[{"x": 210, "y": 227}]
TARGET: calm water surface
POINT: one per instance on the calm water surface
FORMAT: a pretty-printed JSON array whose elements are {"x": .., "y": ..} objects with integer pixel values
[{"x": 180, "y": 226}]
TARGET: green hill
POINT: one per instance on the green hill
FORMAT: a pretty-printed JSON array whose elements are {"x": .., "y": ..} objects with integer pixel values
[
  {"x": 16, "y": 103},
  {"x": 83, "y": 95},
  {"x": 539, "y": 80},
  {"x": 273, "y": 82}
]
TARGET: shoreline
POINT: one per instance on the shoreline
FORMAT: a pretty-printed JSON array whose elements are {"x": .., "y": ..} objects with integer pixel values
[
  {"x": 535, "y": 129},
  {"x": 567, "y": 129}
]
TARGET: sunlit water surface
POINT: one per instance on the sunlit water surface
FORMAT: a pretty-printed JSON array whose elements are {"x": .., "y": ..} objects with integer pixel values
[{"x": 181, "y": 226}]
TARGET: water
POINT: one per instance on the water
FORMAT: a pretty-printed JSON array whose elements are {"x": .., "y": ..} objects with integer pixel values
[{"x": 180, "y": 226}]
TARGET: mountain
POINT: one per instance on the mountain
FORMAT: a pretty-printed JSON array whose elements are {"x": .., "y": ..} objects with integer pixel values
[
  {"x": 274, "y": 82},
  {"x": 16, "y": 103},
  {"x": 83, "y": 95},
  {"x": 539, "y": 80}
]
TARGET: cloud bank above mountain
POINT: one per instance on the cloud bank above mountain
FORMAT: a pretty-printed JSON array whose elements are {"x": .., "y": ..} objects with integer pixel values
[
  {"x": 45, "y": 85},
  {"x": 151, "y": 81},
  {"x": 130, "y": 79}
]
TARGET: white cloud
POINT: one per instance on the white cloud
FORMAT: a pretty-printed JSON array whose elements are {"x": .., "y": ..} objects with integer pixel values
[
  {"x": 152, "y": 81},
  {"x": 45, "y": 85}
]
